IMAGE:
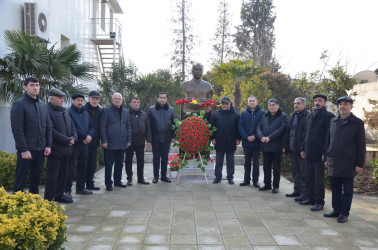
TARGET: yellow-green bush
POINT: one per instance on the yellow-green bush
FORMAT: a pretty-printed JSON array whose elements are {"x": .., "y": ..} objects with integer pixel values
[
  {"x": 7, "y": 169},
  {"x": 27, "y": 221}
]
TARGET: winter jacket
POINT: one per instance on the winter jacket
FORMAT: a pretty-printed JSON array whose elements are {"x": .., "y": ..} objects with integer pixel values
[
  {"x": 313, "y": 143},
  {"x": 94, "y": 115},
  {"x": 115, "y": 128},
  {"x": 346, "y": 146},
  {"x": 248, "y": 122},
  {"x": 273, "y": 127},
  {"x": 30, "y": 122},
  {"x": 296, "y": 132},
  {"x": 226, "y": 122},
  {"x": 83, "y": 123},
  {"x": 161, "y": 120},
  {"x": 140, "y": 127},
  {"x": 63, "y": 129}
]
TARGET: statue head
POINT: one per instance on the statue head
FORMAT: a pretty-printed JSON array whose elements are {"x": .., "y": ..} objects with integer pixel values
[{"x": 197, "y": 71}]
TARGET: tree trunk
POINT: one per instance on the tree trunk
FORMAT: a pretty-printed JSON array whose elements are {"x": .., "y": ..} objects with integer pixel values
[{"x": 237, "y": 97}]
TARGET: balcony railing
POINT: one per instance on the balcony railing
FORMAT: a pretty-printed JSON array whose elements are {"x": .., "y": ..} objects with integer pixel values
[{"x": 106, "y": 29}]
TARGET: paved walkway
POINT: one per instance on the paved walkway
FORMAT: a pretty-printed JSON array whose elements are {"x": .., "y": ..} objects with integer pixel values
[{"x": 193, "y": 215}]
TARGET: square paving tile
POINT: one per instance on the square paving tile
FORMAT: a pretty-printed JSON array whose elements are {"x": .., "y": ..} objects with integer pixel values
[
  {"x": 157, "y": 239},
  {"x": 183, "y": 239}
]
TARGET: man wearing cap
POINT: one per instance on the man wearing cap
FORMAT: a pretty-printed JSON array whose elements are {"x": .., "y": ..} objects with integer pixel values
[
  {"x": 79, "y": 156},
  {"x": 225, "y": 139},
  {"x": 270, "y": 132},
  {"x": 141, "y": 132},
  {"x": 64, "y": 136},
  {"x": 313, "y": 149},
  {"x": 115, "y": 132},
  {"x": 344, "y": 156},
  {"x": 31, "y": 128},
  {"x": 94, "y": 110}
]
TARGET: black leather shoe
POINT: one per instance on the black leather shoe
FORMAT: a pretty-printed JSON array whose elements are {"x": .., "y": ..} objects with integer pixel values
[
  {"x": 216, "y": 181},
  {"x": 64, "y": 199},
  {"x": 231, "y": 182},
  {"x": 143, "y": 182},
  {"x": 265, "y": 188},
  {"x": 155, "y": 180},
  {"x": 68, "y": 195},
  {"x": 109, "y": 188},
  {"x": 256, "y": 185},
  {"x": 167, "y": 180},
  {"x": 331, "y": 214},
  {"x": 93, "y": 188},
  {"x": 84, "y": 192},
  {"x": 342, "y": 219},
  {"x": 300, "y": 198},
  {"x": 275, "y": 190},
  {"x": 129, "y": 182},
  {"x": 245, "y": 183},
  {"x": 121, "y": 185},
  {"x": 293, "y": 194},
  {"x": 306, "y": 202},
  {"x": 317, "y": 207}
]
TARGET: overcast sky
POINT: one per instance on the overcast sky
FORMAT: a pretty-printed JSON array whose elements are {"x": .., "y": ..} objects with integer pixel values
[{"x": 303, "y": 28}]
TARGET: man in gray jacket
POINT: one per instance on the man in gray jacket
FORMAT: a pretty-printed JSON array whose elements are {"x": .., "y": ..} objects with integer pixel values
[
  {"x": 115, "y": 132},
  {"x": 141, "y": 131},
  {"x": 31, "y": 128}
]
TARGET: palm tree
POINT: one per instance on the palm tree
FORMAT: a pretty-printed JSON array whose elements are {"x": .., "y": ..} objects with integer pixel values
[{"x": 55, "y": 68}]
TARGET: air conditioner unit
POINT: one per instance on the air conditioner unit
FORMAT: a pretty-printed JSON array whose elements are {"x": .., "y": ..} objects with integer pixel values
[{"x": 36, "y": 21}]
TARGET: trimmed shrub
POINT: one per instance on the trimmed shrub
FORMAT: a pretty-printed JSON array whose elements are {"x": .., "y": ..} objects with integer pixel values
[{"x": 7, "y": 169}]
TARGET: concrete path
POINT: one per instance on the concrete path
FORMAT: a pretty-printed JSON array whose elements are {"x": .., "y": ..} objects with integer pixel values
[{"x": 193, "y": 215}]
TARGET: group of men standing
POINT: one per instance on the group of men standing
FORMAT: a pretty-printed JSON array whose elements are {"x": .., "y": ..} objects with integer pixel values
[{"x": 70, "y": 138}]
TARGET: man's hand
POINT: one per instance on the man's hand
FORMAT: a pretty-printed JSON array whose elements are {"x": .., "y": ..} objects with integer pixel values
[
  {"x": 105, "y": 145},
  {"x": 72, "y": 142},
  {"x": 322, "y": 157},
  {"x": 173, "y": 140},
  {"x": 237, "y": 142},
  {"x": 303, "y": 155},
  {"x": 358, "y": 169},
  {"x": 148, "y": 144},
  {"x": 325, "y": 163},
  {"x": 251, "y": 138},
  {"x": 88, "y": 139},
  {"x": 264, "y": 139},
  {"x": 26, "y": 155},
  {"x": 47, "y": 151},
  {"x": 128, "y": 145},
  {"x": 283, "y": 150},
  {"x": 267, "y": 140},
  {"x": 213, "y": 141}
]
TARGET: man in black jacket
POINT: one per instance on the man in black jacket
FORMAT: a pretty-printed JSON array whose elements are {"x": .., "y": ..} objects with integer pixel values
[
  {"x": 115, "y": 132},
  {"x": 225, "y": 139},
  {"x": 270, "y": 132},
  {"x": 313, "y": 149},
  {"x": 79, "y": 156},
  {"x": 64, "y": 136},
  {"x": 161, "y": 117},
  {"x": 141, "y": 131},
  {"x": 94, "y": 110},
  {"x": 31, "y": 128},
  {"x": 345, "y": 155},
  {"x": 295, "y": 131}
]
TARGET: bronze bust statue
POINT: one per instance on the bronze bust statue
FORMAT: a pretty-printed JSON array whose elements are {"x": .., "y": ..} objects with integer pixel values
[{"x": 197, "y": 88}]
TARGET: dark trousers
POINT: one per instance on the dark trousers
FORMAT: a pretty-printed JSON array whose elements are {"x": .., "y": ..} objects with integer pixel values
[
  {"x": 249, "y": 155},
  {"x": 91, "y": 165},
  {"x": 56, "y": 176},
  {"x": 115, "y": 157},
  {"x": 219, "y": 158},
  {"x": 270, "y": 159},
  {"x": 341, "y": 202},
  {"x": 79, "y": 157},
  {"x": 34, "y": 166},
  {"x": 160, "y": 153},
  {"x": 298, "y": 169},
  {"x": 315, "y": 181},
  {"x": 139, "y": 151}
]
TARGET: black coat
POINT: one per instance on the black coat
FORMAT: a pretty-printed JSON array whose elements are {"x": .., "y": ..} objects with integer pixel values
[
  {"x": 63, "y": 129},
  {"x": 161, "y": 120},
  {"x": 30, "y": 122},
  {"x": 140, "y": 127},
  {"x": 299, "y": 131},
  {"x": 226, "y": 122},
  {"x": 346, "y": 146},
  {"x": 313, "y": 143},
  {"x": 83, "y": 123},
  {"x": 273, "y": 127},
  {"x": 115, "y": 128},
  {"x": 94, "y": 115},
  {"x": 248, "y": 122}
]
